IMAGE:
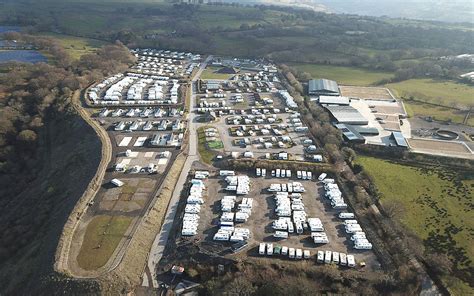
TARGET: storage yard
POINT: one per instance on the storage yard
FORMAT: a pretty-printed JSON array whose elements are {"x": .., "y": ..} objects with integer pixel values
[{"x": 246, "y": 209}]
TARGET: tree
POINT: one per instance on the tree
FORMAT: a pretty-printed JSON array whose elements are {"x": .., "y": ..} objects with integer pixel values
[
  {"x": 393, "y": 209},
  {"x": 439, "y": 263},
  {"x": 27, "y": 136},
  {"x": 240, "y": 286}
]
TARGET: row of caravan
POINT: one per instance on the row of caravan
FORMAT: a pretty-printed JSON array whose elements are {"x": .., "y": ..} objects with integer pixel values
[
  {"x": 337, "y": 258},
  {"x": 292, "y": 253},
  {"x": 334, "y": 194},
  {"x": 353, "y": 228},
  {"x": 193, "y": 205},
  {"x": 292, "y": 187}
]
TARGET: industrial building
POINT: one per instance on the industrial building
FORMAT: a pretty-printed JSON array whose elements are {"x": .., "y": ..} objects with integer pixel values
[
  {"x": 347, "y": 114},
  {"x": 399, "y": 139},
  {"x": 332, "y": 100},
  {"x": 323, "y": 87}
]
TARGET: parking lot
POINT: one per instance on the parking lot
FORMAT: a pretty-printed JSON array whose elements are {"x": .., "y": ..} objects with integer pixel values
[{"x": 263, "y": 214}]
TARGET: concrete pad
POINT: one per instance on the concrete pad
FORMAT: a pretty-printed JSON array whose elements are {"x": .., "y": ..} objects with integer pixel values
[
  {"x": 140, "y": 141},
  {"x": 149, "y": 154},
  {"x": 162, "y": 161},
  {"x": 125, "y": 141},
  {"x": 126, "y": 161}
]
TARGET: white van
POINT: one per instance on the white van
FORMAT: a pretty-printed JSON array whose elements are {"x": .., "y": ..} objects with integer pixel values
[
  {"x": 269, "y": 249},
  {"x": 346, "y": 215},
  {"x": 322, "y": 176},
  {"x": 298, "y": 174},
  {"x": 280, "y": 234},
  {"x": 261, "y": 249},
  {"x": 320, "y": 257},
  {"x": 343, "y": 258},
  {"x": 335, "y": 257},
  {"x": 291, "y": 253},
  {"x": 299, "y": 253},
  {"x": 327, "y": 257},
  {"x": 306, "y": 254},
  {"x": 351, "y": 261},
  {"x": 284, "y": 250},
  {"x": 364, "y": 245}
]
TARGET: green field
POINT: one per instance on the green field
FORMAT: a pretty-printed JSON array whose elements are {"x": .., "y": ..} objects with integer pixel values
[
  {"x": 76, "y": 46},
  {"x": 209, "y": 73},
  {"x": 206, "y": 153},
  {"x": 343, "y": 75},
  {"x": 102, "y": 236},
  {"x": 419, "y": 109},
  {"x": 446, "y": 93},
  {"x": 437, "y": 206}
]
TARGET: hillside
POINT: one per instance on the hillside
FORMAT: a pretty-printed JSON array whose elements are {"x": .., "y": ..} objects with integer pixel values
[{"x": 32, "y": 222}]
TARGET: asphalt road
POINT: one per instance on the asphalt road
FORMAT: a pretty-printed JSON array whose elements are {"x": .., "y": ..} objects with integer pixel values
[{"x": 159, "y": 243}]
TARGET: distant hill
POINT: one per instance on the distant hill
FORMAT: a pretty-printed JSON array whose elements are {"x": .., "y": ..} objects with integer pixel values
[{"x": 438, "y": 10}]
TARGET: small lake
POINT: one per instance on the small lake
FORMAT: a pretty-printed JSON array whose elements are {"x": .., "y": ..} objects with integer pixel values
[
  {"x": 4, "y": 29},
  {"x": 26, "y": 56}
]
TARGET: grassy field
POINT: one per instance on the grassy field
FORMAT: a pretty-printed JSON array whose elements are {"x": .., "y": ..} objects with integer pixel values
[
  {"x": 436, "y": 206},
  {"x": 441, "y": 92},
  {"x": 343, "y": 75},
  {"x": 209, "y": 73},
  {"x": 76, "y": 46},
  {"x": 106, "y": 232},
  {"x": 207, "y": 154},
  {"x": 438, "y": 113}
]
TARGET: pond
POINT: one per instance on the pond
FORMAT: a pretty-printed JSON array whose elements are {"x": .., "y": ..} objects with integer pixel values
[
  {"x": 26, "y": 56},
  {"x": 4, "y": 29}
]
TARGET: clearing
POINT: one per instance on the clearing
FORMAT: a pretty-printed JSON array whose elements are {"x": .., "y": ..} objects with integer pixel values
[
  {"x": 76, "y": 46},
  {"x": 437, "y": 206}
]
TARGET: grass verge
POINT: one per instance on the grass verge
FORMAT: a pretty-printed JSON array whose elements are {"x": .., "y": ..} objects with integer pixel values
[{"x": 102, "y": 237}]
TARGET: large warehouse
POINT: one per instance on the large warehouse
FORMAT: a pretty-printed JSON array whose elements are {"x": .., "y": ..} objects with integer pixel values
[
  {"x": 323, "y": 87},
  {"x": 347, "y": 114}
]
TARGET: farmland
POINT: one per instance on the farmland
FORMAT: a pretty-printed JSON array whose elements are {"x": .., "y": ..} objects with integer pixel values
[
  {"x": 436, "y": 206},
  {"x": 343, "y": 75},
  {"x": 435, "y": 91},
  {"x": 420, "y": 109}
]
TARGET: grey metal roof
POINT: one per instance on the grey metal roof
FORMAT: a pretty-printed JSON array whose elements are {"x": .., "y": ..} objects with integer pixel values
[
  {"x": 334, "y": 100},
  {"x": 400, "y": 139},
  {"x": 323, "y": 85},
  {"x": 347, "y": 114},
  {"x": 349, "y": 132}
]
